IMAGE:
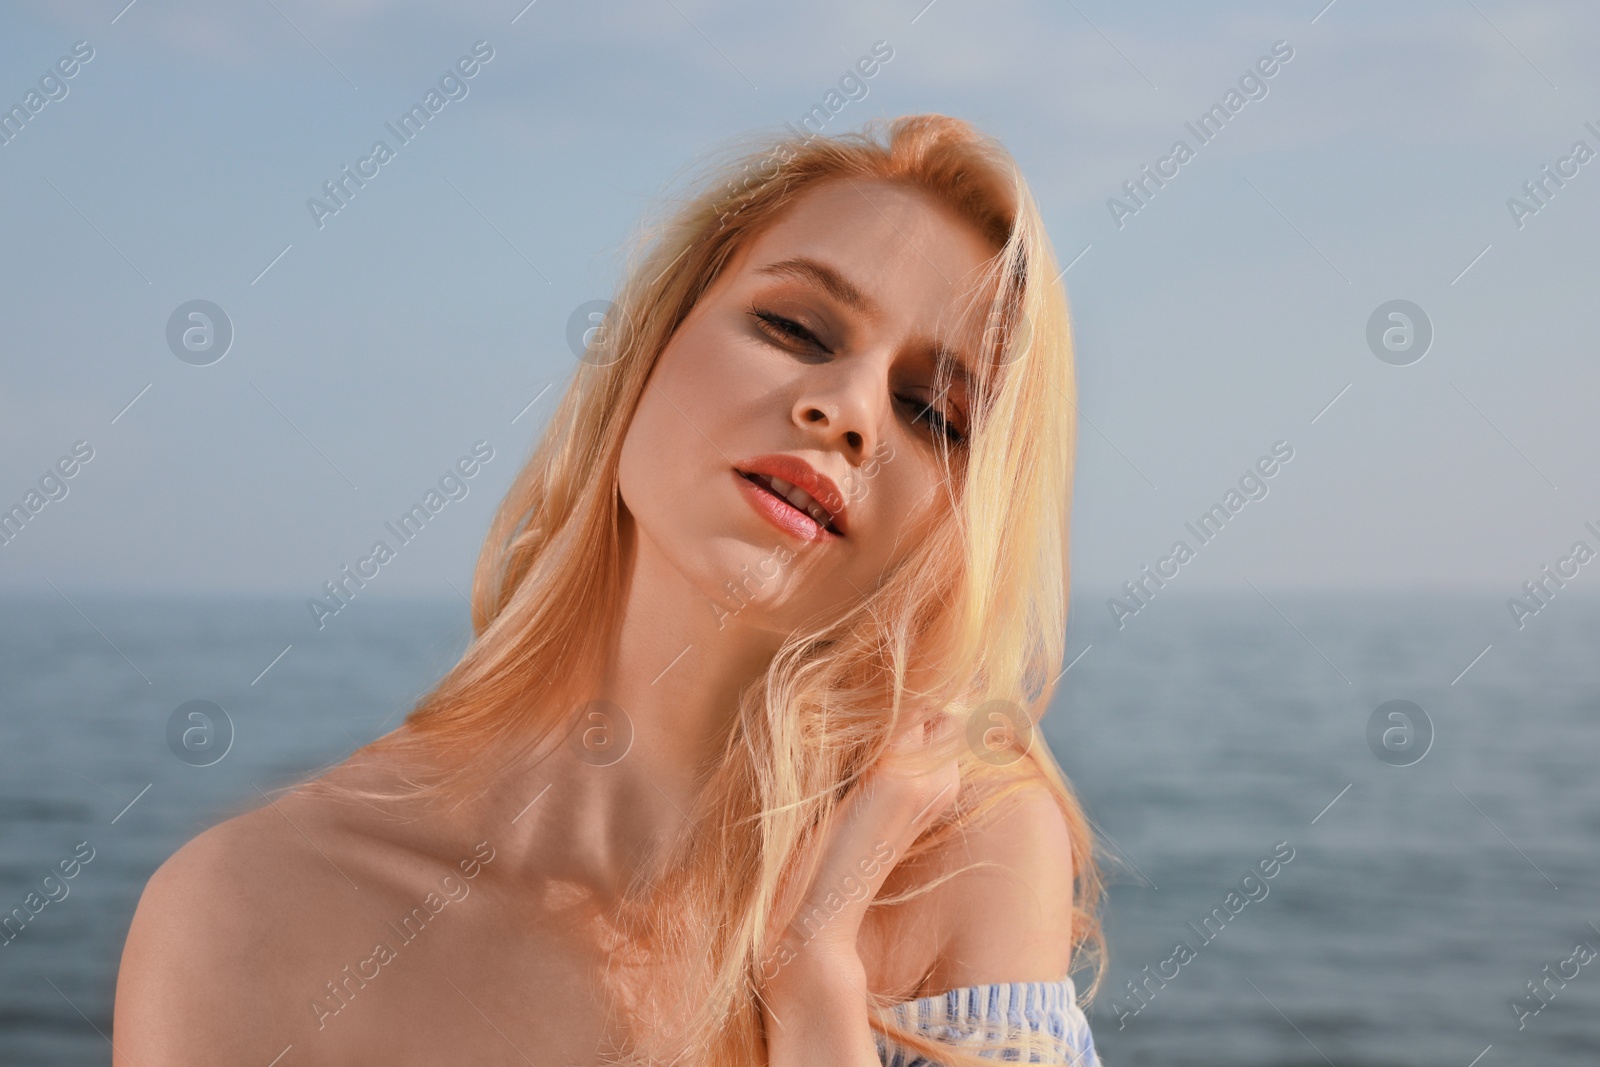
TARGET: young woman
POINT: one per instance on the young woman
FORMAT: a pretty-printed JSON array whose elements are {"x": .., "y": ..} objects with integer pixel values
[{"x": 740, "y": 766}]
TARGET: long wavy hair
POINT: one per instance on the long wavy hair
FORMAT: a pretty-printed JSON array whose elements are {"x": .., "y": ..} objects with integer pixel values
[{"x": 972, "y": 621}]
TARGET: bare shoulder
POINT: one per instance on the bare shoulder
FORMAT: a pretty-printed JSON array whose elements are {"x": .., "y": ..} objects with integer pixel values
[
  {"x": 1006, "y": 913},
  {"x": 225, "y": 927}
]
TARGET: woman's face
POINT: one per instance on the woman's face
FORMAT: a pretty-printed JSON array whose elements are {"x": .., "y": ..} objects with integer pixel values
[{"x": 815, "y": 350}]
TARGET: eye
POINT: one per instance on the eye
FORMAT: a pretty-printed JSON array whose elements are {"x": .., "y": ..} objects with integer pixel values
[
  {"x": 789, "y": 333},
  {"x": 785, "y": 331},
  {"x": 924, "y": 411}
]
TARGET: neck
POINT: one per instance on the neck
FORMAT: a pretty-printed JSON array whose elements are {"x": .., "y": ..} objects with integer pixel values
[{"x": 603, "y": 802}]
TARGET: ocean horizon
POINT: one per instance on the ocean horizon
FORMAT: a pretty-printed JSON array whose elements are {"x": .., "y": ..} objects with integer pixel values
[{"x": 1412, "y": 898}]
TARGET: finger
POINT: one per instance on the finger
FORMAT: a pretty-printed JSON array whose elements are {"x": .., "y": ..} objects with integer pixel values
[
  {"x": 927, "y": 731},
  {"x": 926, "y": 748}
]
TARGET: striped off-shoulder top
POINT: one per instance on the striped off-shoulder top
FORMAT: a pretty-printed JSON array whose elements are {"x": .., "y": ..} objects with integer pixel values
[{"x": 973, "y": 1013}]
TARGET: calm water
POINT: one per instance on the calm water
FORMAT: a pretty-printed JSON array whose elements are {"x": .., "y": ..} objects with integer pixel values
[{"x": 1205, "y": 733}]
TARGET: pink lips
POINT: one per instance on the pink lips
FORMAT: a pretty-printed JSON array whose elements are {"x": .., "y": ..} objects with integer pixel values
[
  {"x": 779, "y": 511},
  {"x": 797, "y": 471}
]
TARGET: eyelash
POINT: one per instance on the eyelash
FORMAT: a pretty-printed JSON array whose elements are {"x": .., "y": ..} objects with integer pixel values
[{"x": 787, "y": 330}]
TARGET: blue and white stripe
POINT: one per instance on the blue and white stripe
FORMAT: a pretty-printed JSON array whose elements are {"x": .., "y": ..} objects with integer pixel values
[{"x": 971, "y": 1012}]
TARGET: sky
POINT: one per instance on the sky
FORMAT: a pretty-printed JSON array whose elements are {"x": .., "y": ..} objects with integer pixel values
[{"x": 1222, "y": 316}]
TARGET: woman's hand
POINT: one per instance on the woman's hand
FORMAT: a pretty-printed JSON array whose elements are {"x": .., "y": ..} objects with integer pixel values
[{"x": 815, "y": 974}]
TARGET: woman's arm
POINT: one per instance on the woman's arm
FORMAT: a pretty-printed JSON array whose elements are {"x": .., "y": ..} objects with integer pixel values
[
  {"x": 183, "y": 995},
  {"x": 816, "y": 1013},
  {"x": 1008, "y": 919},
  {"x": 209, "y": 971},
  {"x": 814, "y": 996}
]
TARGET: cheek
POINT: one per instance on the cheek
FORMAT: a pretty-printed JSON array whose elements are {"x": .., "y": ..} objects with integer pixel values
[
  {"x": 704, "y": 378},
  {"x": 679, "y": 431},
  {"x": 654, "y": 455},
  {"x": 902, "y": 500},
  {"x": 906, "y": 480}
]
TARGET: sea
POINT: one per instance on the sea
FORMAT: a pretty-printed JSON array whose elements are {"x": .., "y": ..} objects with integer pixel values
[{"x": 1419, "y": 775}]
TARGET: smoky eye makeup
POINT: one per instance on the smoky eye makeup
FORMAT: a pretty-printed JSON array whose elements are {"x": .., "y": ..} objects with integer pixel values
[
  {"x": 793, "y": 323},
  {"x": 924, "y": 406},
  {"x": 786, "y": 329},
  {"x": 942, "y": 416}
]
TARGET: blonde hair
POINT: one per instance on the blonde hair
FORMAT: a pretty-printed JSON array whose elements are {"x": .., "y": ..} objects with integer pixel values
[{"x": 980, "y": 603}]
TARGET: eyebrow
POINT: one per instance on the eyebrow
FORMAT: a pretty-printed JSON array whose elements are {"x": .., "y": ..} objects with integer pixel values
[
  {"x": 834, "y": 283},
  {"x": 843, "y": 290}
]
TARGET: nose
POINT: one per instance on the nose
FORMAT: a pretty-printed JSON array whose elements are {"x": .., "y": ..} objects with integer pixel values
[{"x": 836, "y": 407}]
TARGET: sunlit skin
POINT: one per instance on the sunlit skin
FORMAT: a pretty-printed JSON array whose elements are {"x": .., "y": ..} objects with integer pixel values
[{"x": 242, "y": 928}]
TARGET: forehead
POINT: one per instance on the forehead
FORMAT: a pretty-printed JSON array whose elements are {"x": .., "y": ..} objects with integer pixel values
[{"x": 911, "y": 258}]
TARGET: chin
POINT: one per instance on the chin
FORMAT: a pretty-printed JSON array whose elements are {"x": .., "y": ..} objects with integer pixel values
[{"x": 743, "y": 580}]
